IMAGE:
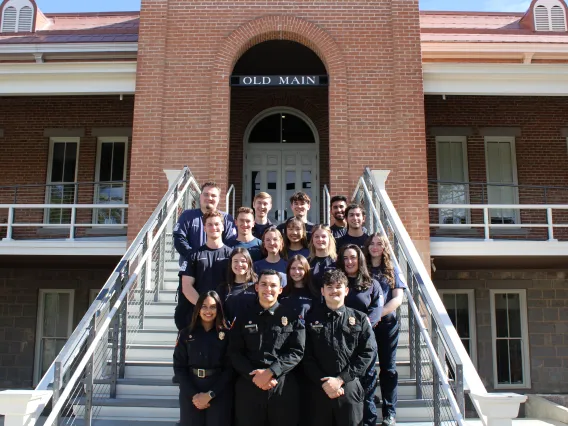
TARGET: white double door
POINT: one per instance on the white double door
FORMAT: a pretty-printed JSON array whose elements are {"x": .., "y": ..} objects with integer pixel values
[{"x": 281, "y": 171}]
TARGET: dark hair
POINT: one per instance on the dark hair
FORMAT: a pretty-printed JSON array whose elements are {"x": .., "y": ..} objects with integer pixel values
[
  {"x": 244, "y": 210},
  {"x": 251, "y": 275},
  {"x": 210, "y": 184},
  {"x": 354, "y": 206},
  {"x": 304, "y": 239},
  {"x": 335, "y": 276},
  {"x": 337, "y": 198},
  {"x": 269, "y": 272},
  {"x": 363, "y": 279},
  {"x": 271, "y": 228},
  {"x": 386, "y": 267},
  {"x": 300, "y": 196},
  {"x": 287, "y": 291},
  {"x": 220, "y": 316},
  {"x": 211, "y": 213}
]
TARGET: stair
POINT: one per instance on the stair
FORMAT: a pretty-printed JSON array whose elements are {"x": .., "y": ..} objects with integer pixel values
[{"x": 146, "y": 394}]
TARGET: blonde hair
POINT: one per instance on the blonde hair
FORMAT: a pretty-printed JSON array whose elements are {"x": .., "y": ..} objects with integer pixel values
[
  {"x": 331, "y": 250},
  {"x": 261, "y": 195},
  {"x": 387, "y": 268}
]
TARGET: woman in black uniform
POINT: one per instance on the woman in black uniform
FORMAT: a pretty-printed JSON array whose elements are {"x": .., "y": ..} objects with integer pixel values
[
  {"x": 295, "y": 238},
  {"x": 239, "y": 288},
  {"x": 297, "y": 295},
  {"x": 203, "y": 368}
]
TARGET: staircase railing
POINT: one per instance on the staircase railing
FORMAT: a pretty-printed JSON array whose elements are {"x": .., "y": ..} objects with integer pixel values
[
  {"x": 94, "y": 358},
  {"x": 326, "y": 201},
  {"x": 438, "y": 360}
]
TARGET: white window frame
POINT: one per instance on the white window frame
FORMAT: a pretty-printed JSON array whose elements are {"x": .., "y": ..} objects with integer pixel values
[
  {"x": 471, "y": 314},
  {"x": 100, "y": 141},
  {"x": 52, "y": 142},
  {"x": 512, "y": 141},
  {"x": 463, "y": 140},
  {"x": 524, "y": 336},
  {"x": 39, "y": 326}
]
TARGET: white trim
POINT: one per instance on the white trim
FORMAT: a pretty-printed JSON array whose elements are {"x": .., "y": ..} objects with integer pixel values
[
  {"x": 479, "y": 247},
  {"x": 69, "y": 47},
  {"x": 104, "y": 246},
  {"x": 512, "y": 141},
  {"x": 68, "y": 78},
  {"x": 496, "y": 79},
  {"x": 39, "y": 327},
  {"x": 472, "y": 315},
  {"x": 524, "y": 336}
]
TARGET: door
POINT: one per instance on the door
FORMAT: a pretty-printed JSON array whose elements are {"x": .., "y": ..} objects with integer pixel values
[
  {"x": 61, "y": 178},
  {"x": 453, "y": 188},
  {"x": 502, "y": 178},
  {"x": 281, "y": 173}
]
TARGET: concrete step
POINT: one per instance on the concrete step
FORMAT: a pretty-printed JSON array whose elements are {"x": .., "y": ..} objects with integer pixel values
[
  {"x": 160, "y": 322},
  {"x": 154, "y": 308},
  {"x": 163, "y": 296},
  {"x": 147, "y": 336},
  {"x": 98, "y": 422}
]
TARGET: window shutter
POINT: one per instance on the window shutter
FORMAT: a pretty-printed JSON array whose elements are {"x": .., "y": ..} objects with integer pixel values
[
  {"x": 558, "y": 18},
  {"x": 9, "y": 20},
  {"x": 541, "y": 22},
  {"x": 26, "y": 19}
]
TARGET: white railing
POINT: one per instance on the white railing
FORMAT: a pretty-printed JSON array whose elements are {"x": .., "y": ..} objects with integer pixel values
[
  {"x": 326, "y": 199},
  {"x": 230, "y": 207},
  {"x": 549, "y": 223}
]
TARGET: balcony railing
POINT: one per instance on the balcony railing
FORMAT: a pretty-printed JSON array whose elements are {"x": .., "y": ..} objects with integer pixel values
[
  {"x": 498, "y": 211},
  {"x": 68, "y": 210}
]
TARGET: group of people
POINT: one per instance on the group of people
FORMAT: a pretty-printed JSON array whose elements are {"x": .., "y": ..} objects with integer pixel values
[{"x": 284, "y": 325}]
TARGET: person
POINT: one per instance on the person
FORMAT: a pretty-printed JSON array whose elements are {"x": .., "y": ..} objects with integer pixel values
[
  {"x": 265, "y": 345},
  {"x": 262, "y": 204},
  {"x": 339, "y": 350},
  {"x": 245, "y": 239},
  {"x": 356, "y": 234},
  {"x": 189, "y": 232},
  {"x": 297, "y": 294},
  {"x": 203, "y": 269},
  {"x": 272, "y": 249},
  {"x": 295, "y": 238},
  {"x": 365, "y": 295},
  {"x": 300, "y": 204},
  {"x": 322, "y": 256},
  {"x": 203, "y": 368},
  {"x": 238, "y": 290},
  {"x": 338, "y": 203},
  {"x": 387, "y": 330}
]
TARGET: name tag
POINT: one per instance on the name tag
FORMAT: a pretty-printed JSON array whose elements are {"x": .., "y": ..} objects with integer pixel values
[
  {"x": 317, "y": 326},
  {"x": 251, "y": 328}
]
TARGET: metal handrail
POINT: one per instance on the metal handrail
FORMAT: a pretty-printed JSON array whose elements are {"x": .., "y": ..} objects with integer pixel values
[
  {"x": 39, "y": 185},
  {"x": 326, "y": 199},
  {"x": 513, "y": 185},
  {"x": 229, "y": 192}
]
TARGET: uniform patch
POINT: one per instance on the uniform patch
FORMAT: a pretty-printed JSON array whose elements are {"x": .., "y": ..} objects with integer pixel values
[
  {"x": 183, "y": 266},
  {"x": 352, "y": 321},
  {"x": 176, "y": 228},
  {"x": 221, "y": 335},
  {"x": 284, "y": 321}
]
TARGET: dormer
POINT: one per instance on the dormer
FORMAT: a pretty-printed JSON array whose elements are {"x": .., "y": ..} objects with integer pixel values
[
  {"x": 20, "y": 16},
  {"x": 546, "y": 15}
]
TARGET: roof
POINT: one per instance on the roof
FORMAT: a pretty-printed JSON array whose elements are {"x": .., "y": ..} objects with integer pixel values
[{"x": 82, "y": 28}]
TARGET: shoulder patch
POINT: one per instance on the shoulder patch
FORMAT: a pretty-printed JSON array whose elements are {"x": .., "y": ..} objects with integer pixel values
[
  {"x": 183, "y": 266},
  {"x": 176, "y": 228}
]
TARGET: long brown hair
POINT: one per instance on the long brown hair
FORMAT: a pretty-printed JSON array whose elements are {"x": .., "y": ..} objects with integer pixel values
[
  {"x": 251, "y": 275},
  {"x": 363, "y": 279},
  {"x": 219, "y": 317},
  {"x": 332, "y": 250},
  {"x": 272, "y": 228},
  {"x": 287, "y": 291},
  {"x": 386, "y": 267},
  {"x": 303, "y": 241}
]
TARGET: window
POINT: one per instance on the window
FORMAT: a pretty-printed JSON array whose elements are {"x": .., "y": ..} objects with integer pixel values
[
  {"x": 112, "y": 157},
  {"x": 460, "y": 305},
  {"x": 453, "y": 188},
  {"x": 61, "y": 178},
  {"x": 18, "y": 16},
  {"x": 281, "y": 127},
  {"x": 509, "y": 332},
  {"x": 549, "y": 15},
  {"x": 54, "y": 326}
]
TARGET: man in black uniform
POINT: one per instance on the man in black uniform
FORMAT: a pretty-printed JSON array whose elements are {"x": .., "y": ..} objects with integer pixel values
[
  {"x": 203, "y": 270},
  {"x": 339, "y": 348},
  {"x": 338, "y": 204},
  {"x": 265, "y": 344},
  {"x": 356, "y": 234}
]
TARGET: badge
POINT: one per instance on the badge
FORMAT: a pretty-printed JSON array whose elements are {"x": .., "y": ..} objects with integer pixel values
[
  {"x": 189, "y": 337},
  {"x": 284, "y": 321},
  {"x": 221, "y": 335},
  {"x": 352, "y": 321},
  {"x": 250, "y": 322},
  {"x": 317, "y": 322}
]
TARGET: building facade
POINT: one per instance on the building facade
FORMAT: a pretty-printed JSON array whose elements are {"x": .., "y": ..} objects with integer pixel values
[{"x": 98, "y": 111}]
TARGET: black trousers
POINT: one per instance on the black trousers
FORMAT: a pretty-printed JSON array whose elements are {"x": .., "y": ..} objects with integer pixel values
[
  {"x": 347, "y": 410},
  {"x": 218, "y": 414},
  {"x": 386, "y": 333},
  {"x": 276, "y": 407}
]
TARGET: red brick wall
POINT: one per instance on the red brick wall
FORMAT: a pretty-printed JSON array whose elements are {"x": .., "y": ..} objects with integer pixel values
[
  {"x": 24, "y": 120},
  {"x": 541, "y": 150},
  {"x": 186, "y": 54}
]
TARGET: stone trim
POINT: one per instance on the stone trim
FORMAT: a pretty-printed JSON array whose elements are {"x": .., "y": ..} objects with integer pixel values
[
  {"x": 500, "y": 131},
  {"x": 111, "y": 131},
  {"x": 78, "y": 132},
  {"x": 451, "y": 131}
]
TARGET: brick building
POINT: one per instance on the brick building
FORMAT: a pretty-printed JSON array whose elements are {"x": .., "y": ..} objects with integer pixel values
[{"x": 462, "y": 108}]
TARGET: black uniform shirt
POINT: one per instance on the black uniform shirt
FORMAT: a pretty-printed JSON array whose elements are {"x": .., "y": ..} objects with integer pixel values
[
  {"x": 319, "y": 265},
  {"x": 338, "y": 231},
  {"x": 239, "y": 297},
  {"x": 266, "y": 338},
  {"x": 299, "y": 300},
  {"x": 338, "y": 344},
  {"x": 258, "y": 229},
  {"x": 207, "y": 266},
  {"x": 202, "y": 349},
  {"x": 348, "y": 239}
]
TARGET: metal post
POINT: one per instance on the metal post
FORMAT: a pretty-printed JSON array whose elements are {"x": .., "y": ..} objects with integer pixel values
[
  {"x": 411, "y": 327},
  {"x": 486, "y": 222},
  {"x": 435, "y": 377},
  {"x": 123, "y": 326},
  {"x": 550, "y": 224},
  {"x": 57, "y": 384},
  {"x": 417, "y": 346},
  {"x": 114, "y": 340},
  {"x": 460, "y": 397},
  {"x": 72, "y": 225},
  {"x": 145, "y": 275},
  {"x": 88, "y": 415},
  {"x": 9, "y": 229}
]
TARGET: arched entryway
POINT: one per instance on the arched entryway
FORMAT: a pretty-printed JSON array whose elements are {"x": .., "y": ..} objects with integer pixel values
[
  {"x": 279, "y": 140},
  {"x": 281, "y": 157}
]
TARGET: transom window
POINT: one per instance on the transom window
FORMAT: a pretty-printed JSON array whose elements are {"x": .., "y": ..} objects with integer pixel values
[{"x": 281, "y": 127}]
